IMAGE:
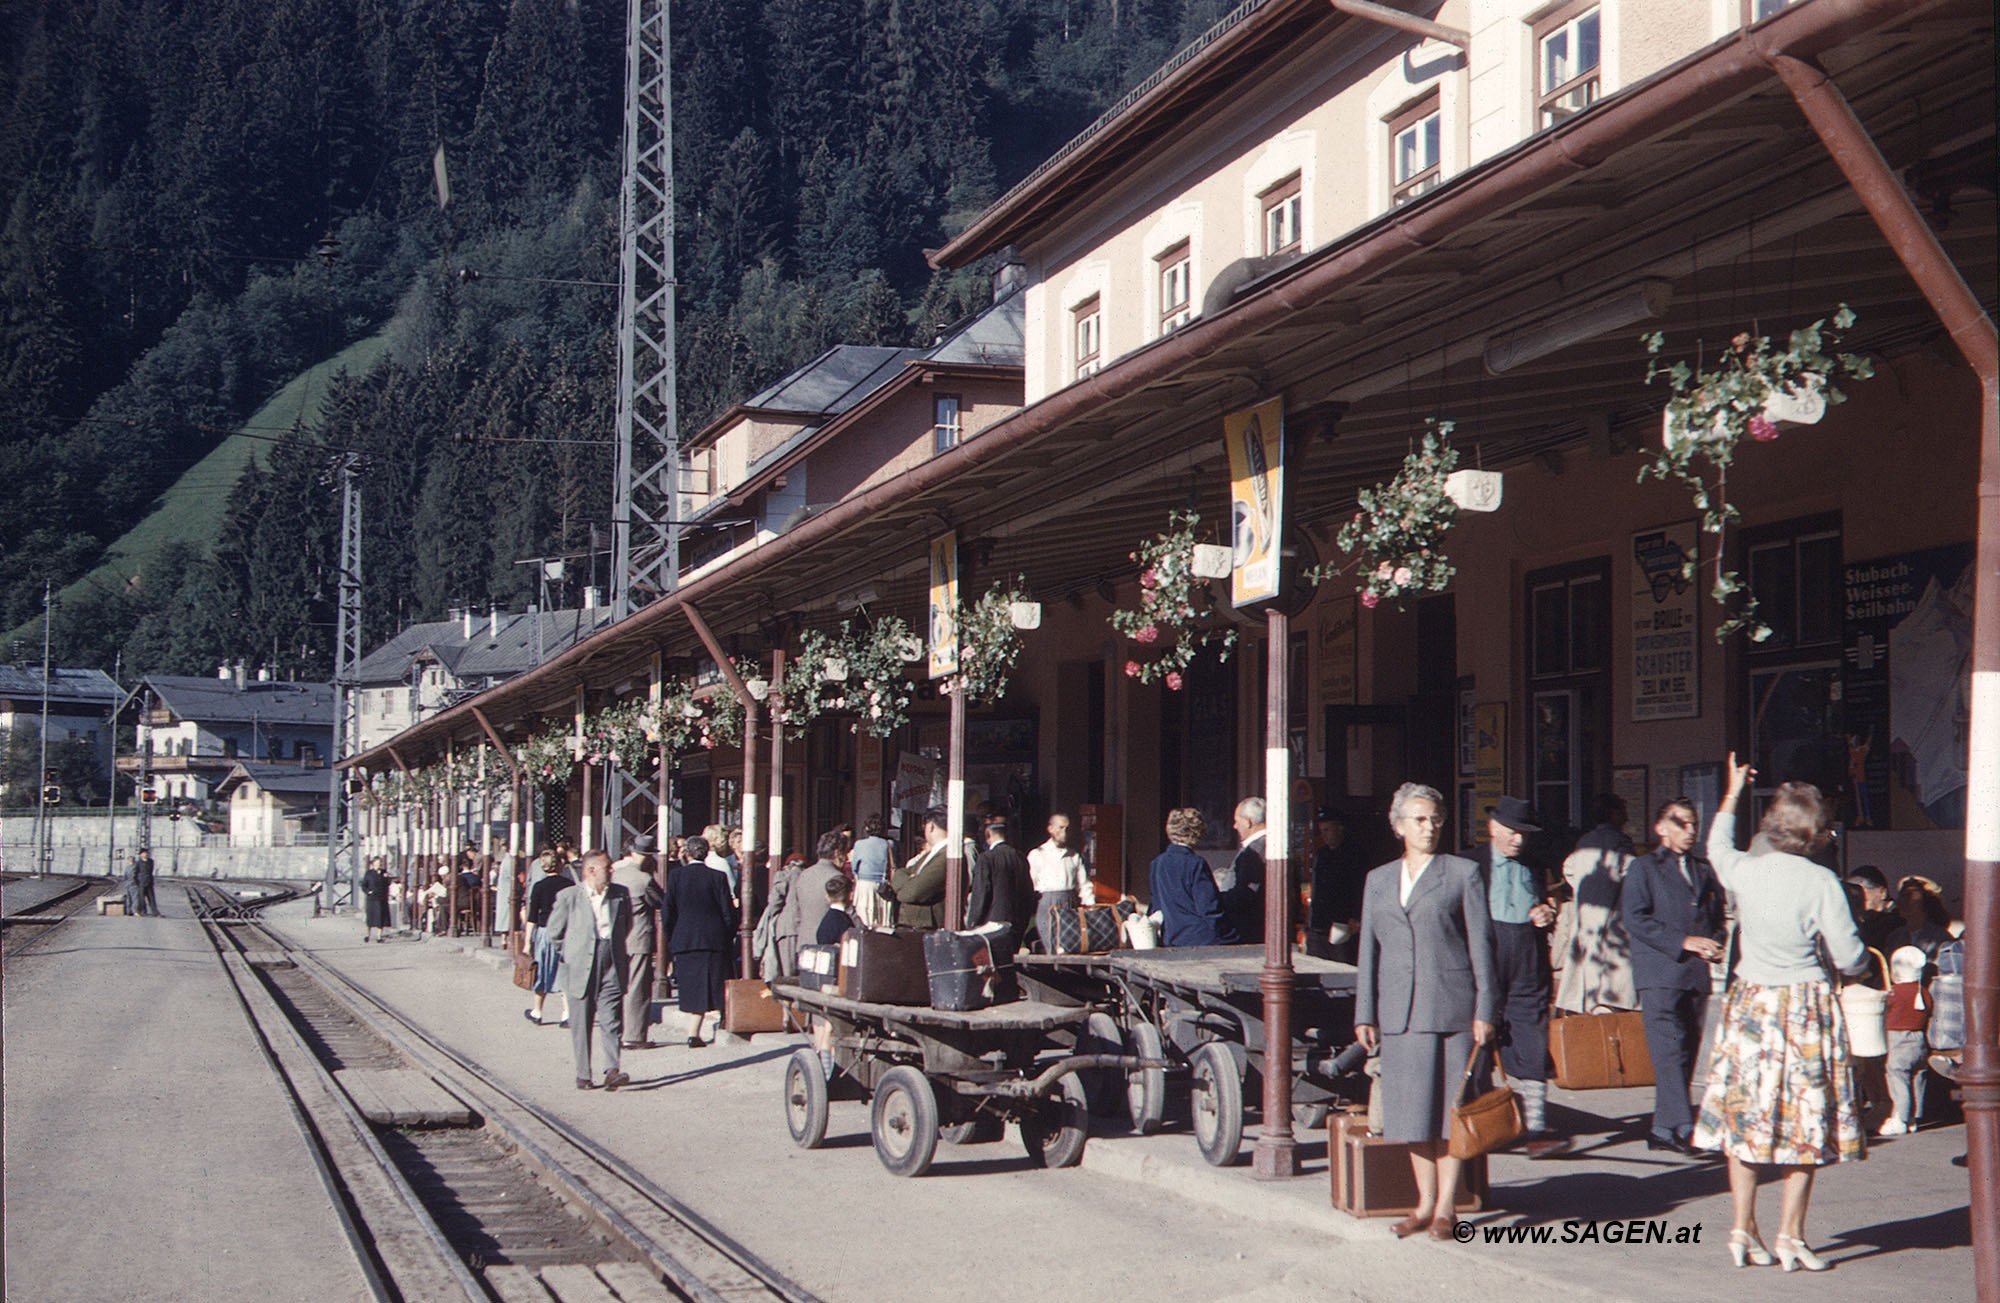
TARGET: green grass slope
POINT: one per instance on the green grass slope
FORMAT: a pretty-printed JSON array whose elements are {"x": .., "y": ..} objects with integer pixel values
[{"x": 190, "y": 510}]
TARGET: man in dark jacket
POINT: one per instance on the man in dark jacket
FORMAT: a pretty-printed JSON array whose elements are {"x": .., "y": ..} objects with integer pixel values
[
  {"x": 1242, "y": 884},
  {"x": 1001, "y": 889},
  {"x": 1672, "y": 904},
  {"x": 1517, "y": 898},
  {"x": 917, "y": 888},
  {"x": 1183, "y": 886},
  {"x": 1338, "y": 874}
]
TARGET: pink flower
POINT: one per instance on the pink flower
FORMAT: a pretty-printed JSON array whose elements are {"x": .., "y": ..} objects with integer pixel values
[
  {"x": 1370, "y": 600},
  {"x": 1174, "y": 680},
  {"x": 1402, "y": 576},
  {"x": 1150, "y": 578},
  {"x": 1151, "y": 633},
  {"x": 1761, "y": 428},
  {"x": 1131, "y": 669},
  {"x": 1384, "y": 570}
]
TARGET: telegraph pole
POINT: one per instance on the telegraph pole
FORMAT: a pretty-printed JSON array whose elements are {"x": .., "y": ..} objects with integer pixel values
[
  {"x": 347, "y": 657},
  {"x": 42, "y": 837},
  {"x": 647, "y": 492}
]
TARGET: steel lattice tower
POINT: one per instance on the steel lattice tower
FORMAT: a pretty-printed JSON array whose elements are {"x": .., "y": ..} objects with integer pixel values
[
  {"x": 340, "y": 838},
  {"x": 645, "y": 561}
]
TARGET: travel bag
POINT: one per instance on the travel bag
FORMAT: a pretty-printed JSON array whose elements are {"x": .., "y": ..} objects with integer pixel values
[
  {"x": 524, "y": 967},
  {"x": 1372, "y": 1176},
  {"x": 1089, "y": 929},
  {"x": 1599, "y": 1051},
  {"x": 884, "y": 967},
  {"x": 1489, "y": 1120},
  {"x": 962, "y": 971},
  {"x": 819, "y": 967},
  {"x": 748, "y": 1007}
]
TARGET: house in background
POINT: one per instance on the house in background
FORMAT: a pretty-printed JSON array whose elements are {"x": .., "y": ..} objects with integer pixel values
[
  {"x": 430, "y": 666},
  {"x": 80, "y": 707},
  {"x": 198, "y": 727},
  {"x": 274, "y": 805}
]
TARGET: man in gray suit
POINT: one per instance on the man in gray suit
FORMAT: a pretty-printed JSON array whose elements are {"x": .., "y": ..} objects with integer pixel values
[
  {"x": 634, "y": 873},
  {"x": 588, "y": 926}
]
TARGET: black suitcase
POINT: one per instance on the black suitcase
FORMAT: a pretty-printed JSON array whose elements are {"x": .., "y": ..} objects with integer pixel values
[
  {"x": 884, "y": 967},
  {"x": 962, "y": 973},
  {"x": 819, "y": 967}
]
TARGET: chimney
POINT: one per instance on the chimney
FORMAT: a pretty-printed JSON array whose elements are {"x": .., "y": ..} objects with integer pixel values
[
  {"x": 590, "y": 598},
  {"x": 240, "y": 675},
  {"x": 468, "y": 624},
  {"x": 492, "y": 622},
  {"x": 263, "y": 674},
  {"x": 222, "y": 672},
  {"x": 1009, "y": 276}
]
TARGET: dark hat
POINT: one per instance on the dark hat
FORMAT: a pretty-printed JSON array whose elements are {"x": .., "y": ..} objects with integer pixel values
[
  {"x": 1513, "y": 812},
  {"x": 644, "y": 844}
]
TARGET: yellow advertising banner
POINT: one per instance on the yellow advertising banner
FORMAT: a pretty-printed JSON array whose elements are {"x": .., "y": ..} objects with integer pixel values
[
  {"x": 1256, "y": 443},
  {"x": 944, "y": 605}
]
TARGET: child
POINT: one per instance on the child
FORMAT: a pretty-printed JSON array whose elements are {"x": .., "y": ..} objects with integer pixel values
[
  {"x": 1909, "y": 1014},
  {"x": 834, "y": 923}
]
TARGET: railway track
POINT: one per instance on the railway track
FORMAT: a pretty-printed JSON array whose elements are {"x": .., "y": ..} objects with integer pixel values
[{"x": 449, "y": 1184}]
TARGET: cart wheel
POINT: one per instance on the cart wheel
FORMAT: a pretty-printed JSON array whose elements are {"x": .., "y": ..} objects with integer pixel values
[
  {"x": 981, "y": 1130},
  {"x": 1217, "y": 1104},
  {"x": 1308, "y": 1117},
  {"x": 805, "y": 1099},
  {"x": 1054, "y": 1134},
  {"x": 1146, "y": 1088},
  {"x": 904, "y": 1121},
  {"x": 1103, "y": 1087}
]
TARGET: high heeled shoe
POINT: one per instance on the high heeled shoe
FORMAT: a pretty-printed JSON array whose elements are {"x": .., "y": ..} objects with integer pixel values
[
  {"x": 1747, "y": 1249},
  {"x": 1793, "y": 1254}
]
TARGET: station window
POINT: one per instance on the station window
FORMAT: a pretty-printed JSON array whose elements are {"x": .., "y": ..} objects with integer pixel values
[
  {"x": 1176, "y": 309},
  {"x": 1793, "y": 683},
  {"x": 1569, "y": 688},
  {"x": 1756, "y": 11},
  {"x": 1567, "y": 61},
  {"x": 1087, "y": 332},
  {"x": 1281, "y": 205},
  {"x": 946, "y": 422},
  {"x": 1414, "y": 165}
]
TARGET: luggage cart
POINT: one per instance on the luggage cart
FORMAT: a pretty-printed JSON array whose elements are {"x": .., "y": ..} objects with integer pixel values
[
  {"x": 931, "y": 1073},
  {"x": 1199, "y": 1011}
]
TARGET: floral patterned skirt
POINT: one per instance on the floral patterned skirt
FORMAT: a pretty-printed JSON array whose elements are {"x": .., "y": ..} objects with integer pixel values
[{"x": 1780, "y": 1089}]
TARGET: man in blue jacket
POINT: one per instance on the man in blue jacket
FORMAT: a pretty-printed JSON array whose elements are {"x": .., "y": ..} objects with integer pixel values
[
  {"x": 1672, "y": 904},
  {"x": 1184, "y": 891}
]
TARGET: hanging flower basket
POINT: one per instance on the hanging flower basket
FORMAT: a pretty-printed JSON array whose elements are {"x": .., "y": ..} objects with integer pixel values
[
  {"x": 1395, "y": 542},
  {"x": 1177, "y": 615},
  {"x": 1752, "y": 391},
  {"x": 862, "y": 672},
  {"x": 989, "y": 642},
  {"x": 548, "y": 756}
]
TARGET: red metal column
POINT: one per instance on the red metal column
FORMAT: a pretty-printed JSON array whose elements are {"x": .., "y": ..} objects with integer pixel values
[
  {"x": 1847, "y": 140},
  {"x": 776, "y": 842},
  {"x": 748, "y": 923},
  {"x": 954, "y": 805},
  {"x": 661, "y": 860},
  {"x": 1276, "y": 1156}
]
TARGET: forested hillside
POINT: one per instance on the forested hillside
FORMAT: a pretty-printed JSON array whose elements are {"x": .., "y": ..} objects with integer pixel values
[{"x": 205, "y": 201}]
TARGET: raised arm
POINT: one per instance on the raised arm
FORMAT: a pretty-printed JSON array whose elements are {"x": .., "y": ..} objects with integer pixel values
[{"x": 1722, "y": 852}]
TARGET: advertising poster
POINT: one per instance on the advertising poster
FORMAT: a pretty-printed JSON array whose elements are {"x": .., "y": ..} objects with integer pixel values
[
  {"x": 1666, "y": 628},
  {"x": 1905, "y": 683},
  {"x": 867, "y": 775},
  {"x": 1336, "y": 652},
  {"x": 944, "y": 605},
  {"x": 1256, "y": 443},
  {"x": 1489, "y": 769}
]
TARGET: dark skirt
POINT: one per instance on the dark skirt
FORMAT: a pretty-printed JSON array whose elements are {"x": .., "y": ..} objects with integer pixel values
[
  {"x": 1421, "y": 1076},
  {"x": 698, "y": 979},
  {"x": 376, "y": 894}
]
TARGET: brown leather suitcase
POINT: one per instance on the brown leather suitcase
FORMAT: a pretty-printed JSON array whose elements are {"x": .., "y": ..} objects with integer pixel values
[
  {"x": 1372, "y": 1177},
  {"x": 1597, "y": 1051},
  {"x": 884, "y": 967},
  {"x": 749, "y": 1007}
]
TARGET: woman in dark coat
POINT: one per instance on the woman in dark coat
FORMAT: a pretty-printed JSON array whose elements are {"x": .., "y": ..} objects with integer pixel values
[
  {"x": 375, "y": 894},
  {"x": 701, "y": 930}
]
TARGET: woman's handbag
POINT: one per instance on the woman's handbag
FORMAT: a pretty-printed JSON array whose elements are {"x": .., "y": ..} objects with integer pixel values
[
  {"x": 1491, "y": 1121},
  {"x": 1866, "y": 1012},
  {"x": 524, "y": 967}
]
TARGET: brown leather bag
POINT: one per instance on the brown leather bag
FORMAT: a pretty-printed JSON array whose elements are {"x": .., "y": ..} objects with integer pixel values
[
  {"x": 524, "y": 967},
  {"x": 1599, "y": 1051},
  {"x": 1491, "y": 1121},
  {"x": 748, "y": 1007}
]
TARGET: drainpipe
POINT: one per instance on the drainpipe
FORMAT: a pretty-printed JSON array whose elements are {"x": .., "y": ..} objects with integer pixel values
[
  {"x": 1847, "y": 140},
  {"x": 746, "y": 924},
  {"x": 1403, "y": 22}
]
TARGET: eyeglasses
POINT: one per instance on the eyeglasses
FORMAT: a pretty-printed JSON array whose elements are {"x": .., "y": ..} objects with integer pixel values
[{"x": 1435, "y": 820}]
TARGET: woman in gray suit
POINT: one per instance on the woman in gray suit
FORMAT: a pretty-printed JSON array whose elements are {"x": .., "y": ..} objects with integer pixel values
[{"x": 1424, "y": 913}]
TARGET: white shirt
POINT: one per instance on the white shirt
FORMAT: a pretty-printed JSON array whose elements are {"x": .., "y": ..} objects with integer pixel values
[
  {"x": 600, "y": 907},
  {"x": 1410, "y": 880},
  {"x": 1058, "y": 868}
]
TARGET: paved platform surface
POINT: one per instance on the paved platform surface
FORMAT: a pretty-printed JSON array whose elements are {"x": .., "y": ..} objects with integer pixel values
[
  {"x": 149, "y": 1154},
  {"x": 1146, "y": 1213}
]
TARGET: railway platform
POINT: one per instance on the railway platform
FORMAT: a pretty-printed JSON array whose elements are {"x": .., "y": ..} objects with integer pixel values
[
  {"x": 708, "y": 1125},
  {"x": 148, "y": 1155}
]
